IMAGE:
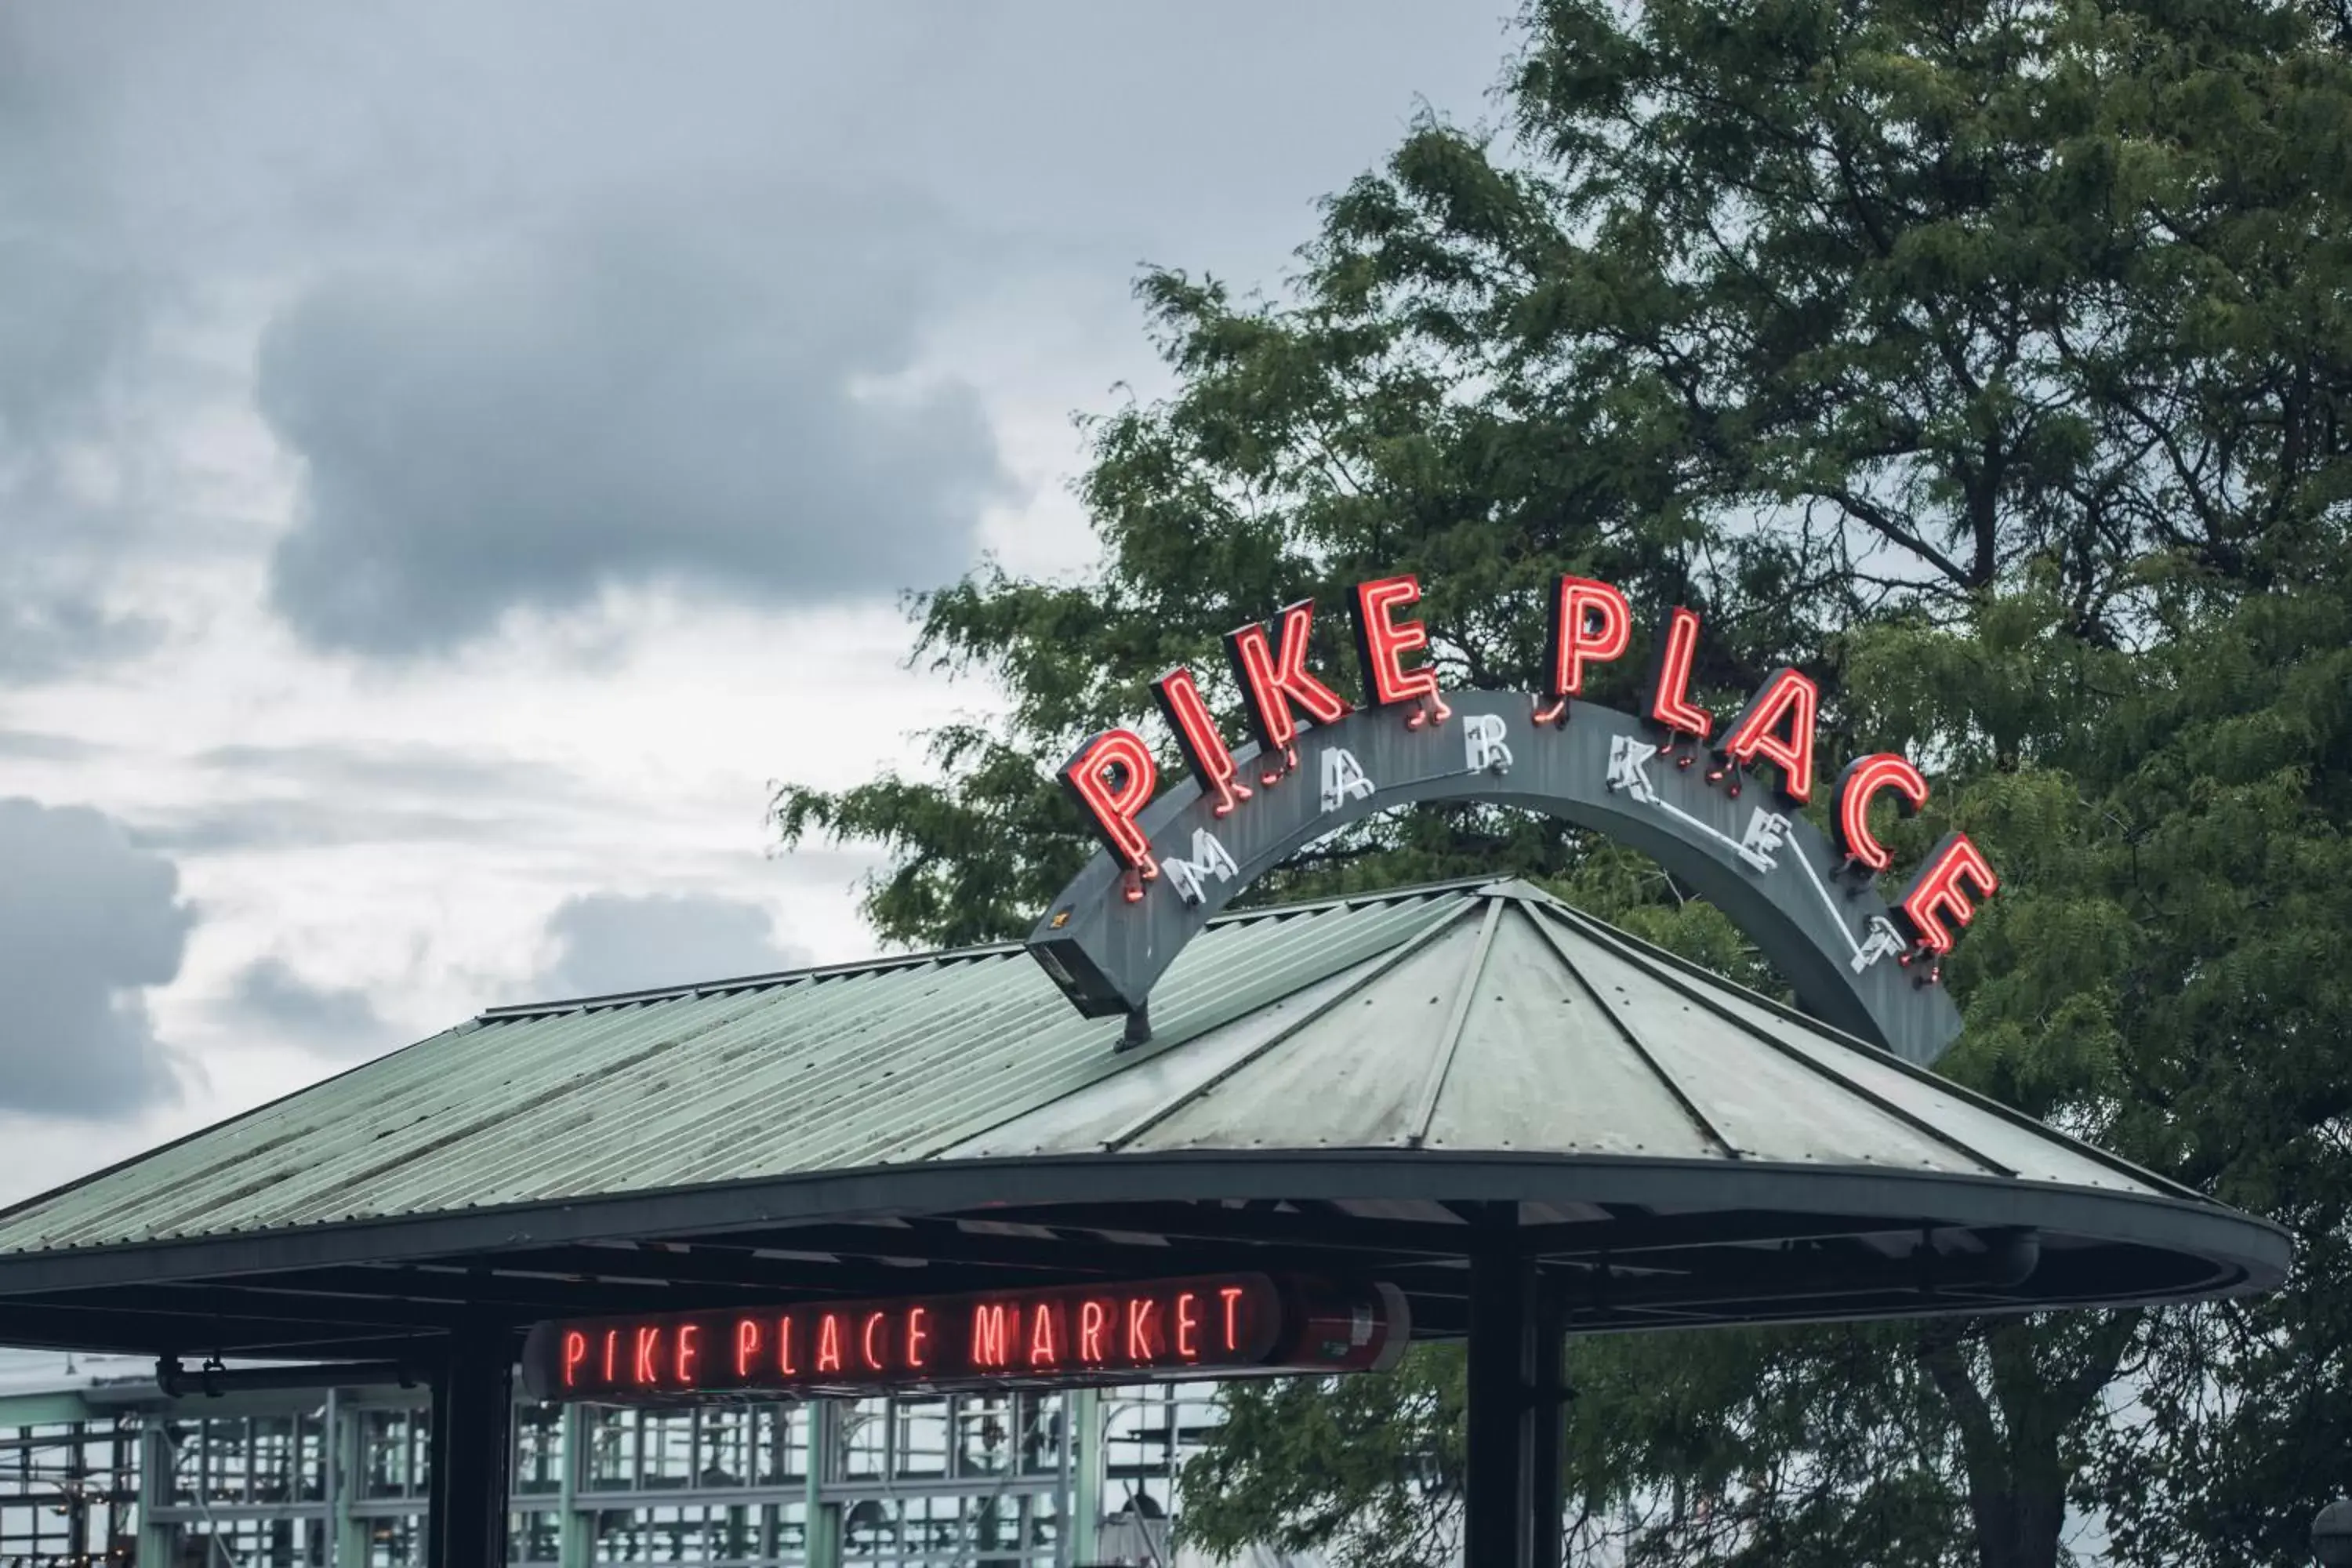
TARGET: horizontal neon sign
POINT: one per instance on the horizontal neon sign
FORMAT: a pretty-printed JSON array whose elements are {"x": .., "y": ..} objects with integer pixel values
[{"x": 1210, "y": 1325}]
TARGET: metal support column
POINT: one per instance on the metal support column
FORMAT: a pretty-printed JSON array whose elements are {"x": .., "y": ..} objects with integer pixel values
[
  {"x": 154, "y": 1492},
  {"x": 1512, "y": 1504},
  {"x": 824, "y": 1516},
  {"x": 473, "y": 1442},
  {"x": 575, "y": 1540},
  {"x": 1547, "y": 1424},
  {"x": 1082, "y": 1504}
]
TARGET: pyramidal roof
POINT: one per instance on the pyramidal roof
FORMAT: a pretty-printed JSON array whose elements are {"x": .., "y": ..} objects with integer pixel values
[
  {"x": 1512, "y": 1022},
  {"x": 1465, "y": 1017},
  {"x": 1368, "y": 1084}
]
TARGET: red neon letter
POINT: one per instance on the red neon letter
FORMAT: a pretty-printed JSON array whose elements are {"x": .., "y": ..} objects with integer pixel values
[
  {"x": 689, "y": 1336},
  {"x": 612, "y": 1343},
  {"x": 1139, "y": 1327},
  {"x": 1206, "y": 751},
  {"x": 828, "y": 1343},
  {"x": 647, "y": 1340},
  {"x": 784, "y": 1346},
  {"x": 1274, "y": 677},
  {"x": 1112, "y": 806},
  {"x": 1094, "y": 1318},
  {"x": 575, "y": 1351},
  {"x": 747, "y": 1344},
  {"x": 1591, "y": 623},
  {"x": 1667, "y": 699},
  {"x": 865, "y": 1341},
  {"x": 1754, "y": 735},
  {"x": 916, "y": 1335},
  {"x": 1043, "y": 1351},
  {"x": 1863, "y": 778},
  {"x": 1185, "y": 1323},
  {"x": 1233, "y": 1295},
  {"x": 991, "y": 1335},
  {"x": 1935, "y": 892},
  {"x": 1381, "y": 643}
]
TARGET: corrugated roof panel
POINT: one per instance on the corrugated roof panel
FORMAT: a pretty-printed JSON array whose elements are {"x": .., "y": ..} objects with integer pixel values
[
  {"x": 1345, "y": 1078},
  {"x": 1541, "y": 1066},
  {"x": 1489, "y": 1018},
  {"x": 768, "y": 1077},
  {"x": 1765, "y": 1104}
]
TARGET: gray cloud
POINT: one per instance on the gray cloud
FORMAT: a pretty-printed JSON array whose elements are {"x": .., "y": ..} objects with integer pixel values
[
  {"x": 87, "y": 921},
  {"x": 333, "y": 1021},
  {"x": 609, "y": 941},
  {"x": 327, "y": 794},
  {"x": 550, "y": 301},
  {"x": 673, "y": 389},
  {"x": 39, "y": 745},
  {"x": 391, "y": 768},
  {"x": 75, "y": 309}
]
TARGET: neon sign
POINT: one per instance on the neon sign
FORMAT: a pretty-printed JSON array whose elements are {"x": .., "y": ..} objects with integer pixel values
[
  {"x": 1672, "y": 778},
  {"x": 1222, "y": 1325}
]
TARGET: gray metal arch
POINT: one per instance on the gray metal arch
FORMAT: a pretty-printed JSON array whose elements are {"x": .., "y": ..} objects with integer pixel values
[{"x": 1776, "y": 876}]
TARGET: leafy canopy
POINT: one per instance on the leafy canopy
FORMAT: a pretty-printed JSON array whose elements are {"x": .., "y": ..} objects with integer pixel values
[{"x": 1988, "y": 362}]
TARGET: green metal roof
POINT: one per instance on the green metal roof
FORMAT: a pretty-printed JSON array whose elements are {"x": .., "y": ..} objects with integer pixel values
[
  {"x": 1372, "y": 1085},
  {"x": 823, "y": 1069}
]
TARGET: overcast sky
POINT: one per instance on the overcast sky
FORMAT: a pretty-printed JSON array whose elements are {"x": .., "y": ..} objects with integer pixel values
[{"x": 451, "y": 457}]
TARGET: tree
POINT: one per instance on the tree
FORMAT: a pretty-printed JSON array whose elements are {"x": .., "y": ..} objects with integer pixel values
[{"x": 1988, "y": 362}]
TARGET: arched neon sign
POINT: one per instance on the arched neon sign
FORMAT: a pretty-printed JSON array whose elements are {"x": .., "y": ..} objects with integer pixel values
[{"x": 1671, "y": 781}]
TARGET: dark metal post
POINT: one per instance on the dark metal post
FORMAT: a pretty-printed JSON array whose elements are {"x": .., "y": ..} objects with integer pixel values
[
  {"x": 1547, "y": 1416},
  {"x": 1494, "y": 1521},
  {"x": 473, "y": 1416},
  {"x": 1512, "y": 1507}
]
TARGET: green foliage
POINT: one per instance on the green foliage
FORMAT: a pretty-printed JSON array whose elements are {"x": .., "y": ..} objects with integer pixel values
[
  {"x": 1989, "y": 363},
  {"x": 1373, "y": 1466}
]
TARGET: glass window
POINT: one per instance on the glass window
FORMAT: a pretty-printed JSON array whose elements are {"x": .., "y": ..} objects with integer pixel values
[
  {"x": 783, "y": 1439},
  {"x": 931, "y": 1528},
  {"x": 185, "y": 1451},
  {"x": 253, "y": 1542},
  {"x": 539, "y": 1449},
  {"x": 722, "y": 1446},
  {"x": 865, "y": 1437},
  {"x": 670, "y": 1533},
  {"x": 270, "y": 1467},
  {"x": 920, "y": 1446},
  {"x": 869, "y": 1531},
  {"x": 1041, "y": 1433},
  {"x": 395, "y": 1543},
  {"x": 310, "y": 1456},
  {"x": 664, "y": 1449},
  {"x": 983, "y": 1434},
  {"x": 611, "y": 1438},
  {"x": 227, "y": 1459},
  {"x": 534, "y": 1537},
  {"x": 390, "y": 1454},
  {"x": 1045, "y": 1520}
]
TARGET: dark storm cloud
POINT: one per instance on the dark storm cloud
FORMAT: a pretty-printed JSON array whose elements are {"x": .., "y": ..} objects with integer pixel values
[
  {"x": 511, "y": 375},
  {"x": 673, "y": 389},
  {"x": 609, "y": 941},
  {"x": 332, "y": 1021},
  {"x": 87, "y": 921}
]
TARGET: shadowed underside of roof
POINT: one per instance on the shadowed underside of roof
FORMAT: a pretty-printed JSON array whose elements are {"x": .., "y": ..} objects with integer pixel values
[{"x": 1368, "y": 1077}]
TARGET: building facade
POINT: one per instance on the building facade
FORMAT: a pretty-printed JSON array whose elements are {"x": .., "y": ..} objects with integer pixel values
[{"x": 99, "y": 1467}]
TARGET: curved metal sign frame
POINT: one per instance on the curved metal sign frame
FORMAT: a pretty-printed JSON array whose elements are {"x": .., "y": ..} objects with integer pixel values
[{"x": 1108, "y": 937}]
